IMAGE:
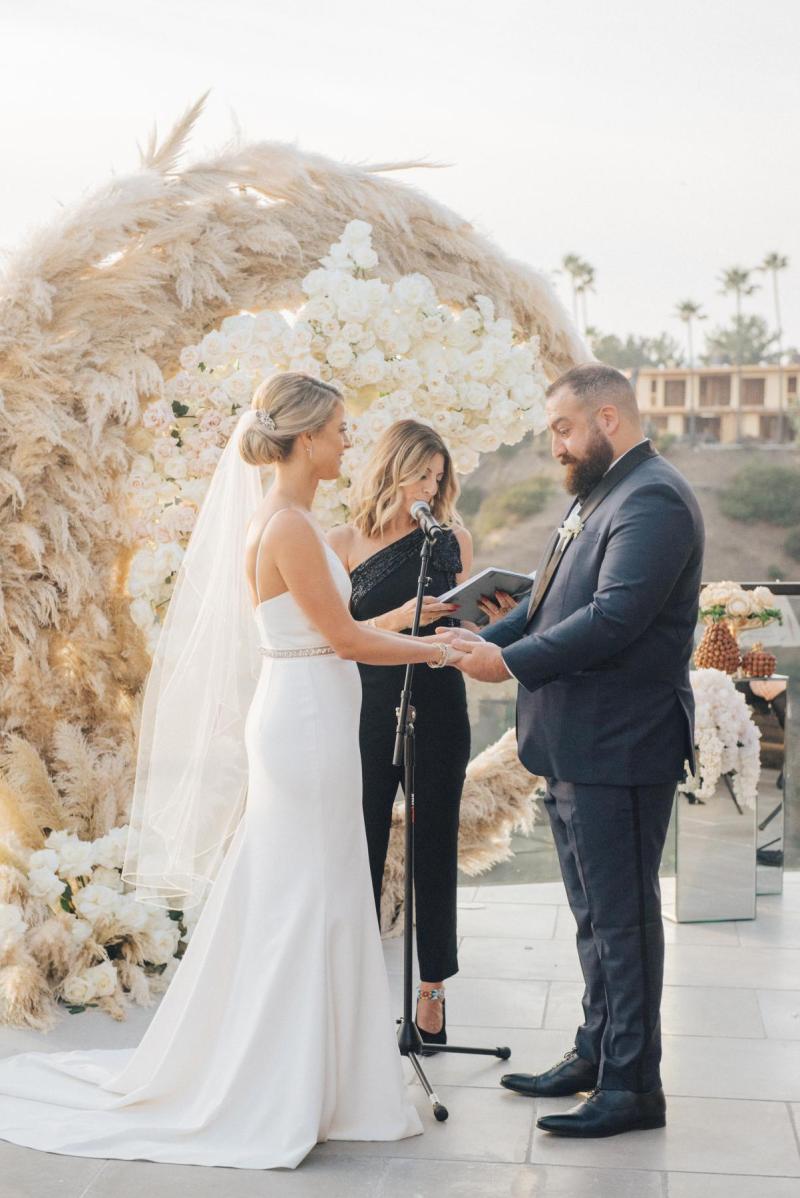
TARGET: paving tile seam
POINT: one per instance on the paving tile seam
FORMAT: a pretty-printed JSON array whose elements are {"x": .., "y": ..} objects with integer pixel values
[
  {"x": 795, "y": 1129},
  {"x": 96, "y": 1177}
]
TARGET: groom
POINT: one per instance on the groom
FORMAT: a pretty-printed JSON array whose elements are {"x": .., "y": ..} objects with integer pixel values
[{"x": 605, "y": 713}]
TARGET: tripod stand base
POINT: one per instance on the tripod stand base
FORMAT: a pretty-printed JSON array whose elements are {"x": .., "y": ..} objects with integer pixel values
[{"x": 412, "y": 1045}]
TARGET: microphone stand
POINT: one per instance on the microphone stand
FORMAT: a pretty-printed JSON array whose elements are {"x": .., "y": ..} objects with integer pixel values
[{"x": 409, "y": 1040}]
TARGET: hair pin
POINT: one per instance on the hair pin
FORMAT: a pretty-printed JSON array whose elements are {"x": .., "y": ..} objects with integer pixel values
[{"x": 264, "y": 418}]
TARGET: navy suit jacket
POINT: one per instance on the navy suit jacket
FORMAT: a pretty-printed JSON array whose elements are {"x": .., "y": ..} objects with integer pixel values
[{"x": 603, "y": 666}]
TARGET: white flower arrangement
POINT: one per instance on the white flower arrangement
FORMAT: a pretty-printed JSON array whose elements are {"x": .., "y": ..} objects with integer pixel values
[
  {"x": 393, "y": 349},
  {"x": 120, "y": 947},
  {"x": 726, "y": 739},
  {"x": 745, "y": 609}
]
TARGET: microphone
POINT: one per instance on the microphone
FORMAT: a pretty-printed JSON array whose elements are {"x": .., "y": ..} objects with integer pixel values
[{"x": 421, "y": 512}]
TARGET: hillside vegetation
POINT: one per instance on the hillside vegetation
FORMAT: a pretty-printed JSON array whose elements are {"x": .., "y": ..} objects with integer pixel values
[{"x": 749, "y": 496}]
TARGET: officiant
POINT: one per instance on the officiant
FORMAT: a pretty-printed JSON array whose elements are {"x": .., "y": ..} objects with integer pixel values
[{"x": 380, "y": 548}]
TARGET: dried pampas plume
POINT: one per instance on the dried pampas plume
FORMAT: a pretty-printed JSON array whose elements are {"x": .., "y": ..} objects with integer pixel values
[
  {"x": 94, "y": 311},
  {"x": 499, "y": 798}
]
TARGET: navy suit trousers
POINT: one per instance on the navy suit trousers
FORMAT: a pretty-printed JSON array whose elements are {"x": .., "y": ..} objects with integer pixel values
[{"x": 609, "y": 841}]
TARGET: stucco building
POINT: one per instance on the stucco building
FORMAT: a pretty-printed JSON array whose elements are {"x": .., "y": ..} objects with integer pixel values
[{"x": 727, "y": 404}]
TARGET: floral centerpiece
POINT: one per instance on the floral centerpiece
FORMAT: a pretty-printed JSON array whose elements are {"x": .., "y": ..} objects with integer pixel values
[
  {"x": 740, "y": 609},
  {"x": 726, "y": 740},
  {"x": 393, "y": 349},
  {"x": 103, "y": 947}
]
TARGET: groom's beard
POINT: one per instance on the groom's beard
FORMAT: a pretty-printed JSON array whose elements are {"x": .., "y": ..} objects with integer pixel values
[{"x": 583, "y": 474}]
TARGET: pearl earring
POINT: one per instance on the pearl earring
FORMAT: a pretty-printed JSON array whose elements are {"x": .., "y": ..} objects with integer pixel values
[{"x": 310, "y": 452}]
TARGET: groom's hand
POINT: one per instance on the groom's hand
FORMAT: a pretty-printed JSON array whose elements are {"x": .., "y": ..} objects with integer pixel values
[
  {"x": 451, "y": 635},
  {"x": 481, "y": 661}
]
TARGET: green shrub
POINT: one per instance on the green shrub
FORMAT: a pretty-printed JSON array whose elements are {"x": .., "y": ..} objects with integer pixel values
[
  {"x": 792, "y": 544},
  {"x": 507, "y": 507},
  {"x": 762, "y": 492},
  {"x": 470, "y": 500}
]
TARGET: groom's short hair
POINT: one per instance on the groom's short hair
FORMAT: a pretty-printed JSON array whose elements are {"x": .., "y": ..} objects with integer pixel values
[{"x": 595, "y": 384}]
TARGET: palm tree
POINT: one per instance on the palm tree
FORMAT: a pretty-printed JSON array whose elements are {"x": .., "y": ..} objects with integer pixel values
[
  {"x": 687, "y": 311},
  {"x": 573, "y": 265},
  {"x": 584, "y": 284},
  {"x": 736, "y": 281},
  {"x": 772, "y": 264}
]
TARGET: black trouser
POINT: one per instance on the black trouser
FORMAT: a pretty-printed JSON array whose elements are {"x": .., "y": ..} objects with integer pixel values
[
  {"x": 442, "y": 743},
  {"x": 609, "y": 841}
]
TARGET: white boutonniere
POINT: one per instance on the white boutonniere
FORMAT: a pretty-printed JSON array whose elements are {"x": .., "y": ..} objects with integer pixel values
[{"x": 570, "y": 529}]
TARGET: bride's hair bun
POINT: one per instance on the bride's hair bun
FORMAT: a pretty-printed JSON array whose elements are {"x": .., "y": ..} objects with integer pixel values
[{"x": 285, "y": 406}]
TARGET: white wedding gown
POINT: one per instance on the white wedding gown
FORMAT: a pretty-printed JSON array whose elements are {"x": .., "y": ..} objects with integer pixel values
[{"x": 276, "y": 1031}]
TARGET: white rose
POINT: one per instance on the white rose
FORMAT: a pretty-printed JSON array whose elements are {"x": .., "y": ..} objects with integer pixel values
[
  {"x": 179, "y": 519},
  {"x": 103, "y": 876},
  {"x": 43, "y": 859},
  {"x": 339, "y": 355},
  {"x": 131, "y": 914},
  {"x": 190, "y": 357},
  {"x": 75, "y": 858},
  {"x": 169, "y": 557},
  {"x": 762, "y": 598},
  {"x": 212, "y": 348},
  {"x": 337, "y": 258},
  {"x": 159, "y": 414},
  {"x": 473, "y": 396},
  {"x": 77, "y": 989},
  {"x": 315, "y": 282},
  {"x": 95, "y": 902},
  {"x": 364, "y": 257},
  {"x": 79, "y": 929},
  {"x": 102, "y": 978},
  {"x": 465, "y": 460},
  {"x": 163, "y": 945},
  {"x": 486, "y": 440},
  {"x": 371, "y": 366},
  {"x": 356, "y": 232},
  {"x": 414, "y": 291},
  {"x": 432, "y": 325},
  {"x": 480, "y": 363},
  {"x": 44, "y": 884},
  {"x": 12, "y": 926},
  {"x": 239, "y": 340},
  {"x": 58, "y": 838},
  {"x": 737, "y": 606},
  {"x": 180, "y": 386},
  {"x": 353, "y": 307},
  {"x": 239, "y": 386},
  {"x": 486, "y": 308},
  {"x": 175, "y": 467},
  {"x": 193, "y": 490}
]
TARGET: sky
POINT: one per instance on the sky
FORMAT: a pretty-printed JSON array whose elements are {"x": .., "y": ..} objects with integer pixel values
[{"x": 656, "y": 140}]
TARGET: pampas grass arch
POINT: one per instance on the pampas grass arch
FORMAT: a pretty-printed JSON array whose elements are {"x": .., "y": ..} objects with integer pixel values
[{"x": 93, "y": 313}]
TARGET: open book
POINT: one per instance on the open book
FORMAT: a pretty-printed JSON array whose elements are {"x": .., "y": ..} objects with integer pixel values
[{"x": 467, "y": 593}]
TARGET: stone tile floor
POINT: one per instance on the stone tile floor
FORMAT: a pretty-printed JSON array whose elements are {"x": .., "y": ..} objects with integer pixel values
[{"x": 731, "y": 1019}]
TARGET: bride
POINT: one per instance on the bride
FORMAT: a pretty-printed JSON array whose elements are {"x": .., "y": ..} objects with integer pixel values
[{"x": 276, "y": 1031}]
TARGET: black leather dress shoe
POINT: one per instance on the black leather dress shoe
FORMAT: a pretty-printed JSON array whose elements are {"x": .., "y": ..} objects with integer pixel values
[
  {"x": 571, "y": 1075},
  {"x": 608, "y": 1113}
]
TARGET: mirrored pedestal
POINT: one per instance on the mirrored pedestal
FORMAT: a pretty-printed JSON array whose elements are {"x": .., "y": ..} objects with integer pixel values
[
  {"x": 768, "y": 700},
  {"x": 715, "y": 857}
]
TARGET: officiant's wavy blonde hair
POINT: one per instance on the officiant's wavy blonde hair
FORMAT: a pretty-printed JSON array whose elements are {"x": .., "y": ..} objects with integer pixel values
[{"x": 400, "y": 457}]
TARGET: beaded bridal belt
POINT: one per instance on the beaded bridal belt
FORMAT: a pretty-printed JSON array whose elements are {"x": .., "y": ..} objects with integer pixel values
[{"x": 314, "y": 651}]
